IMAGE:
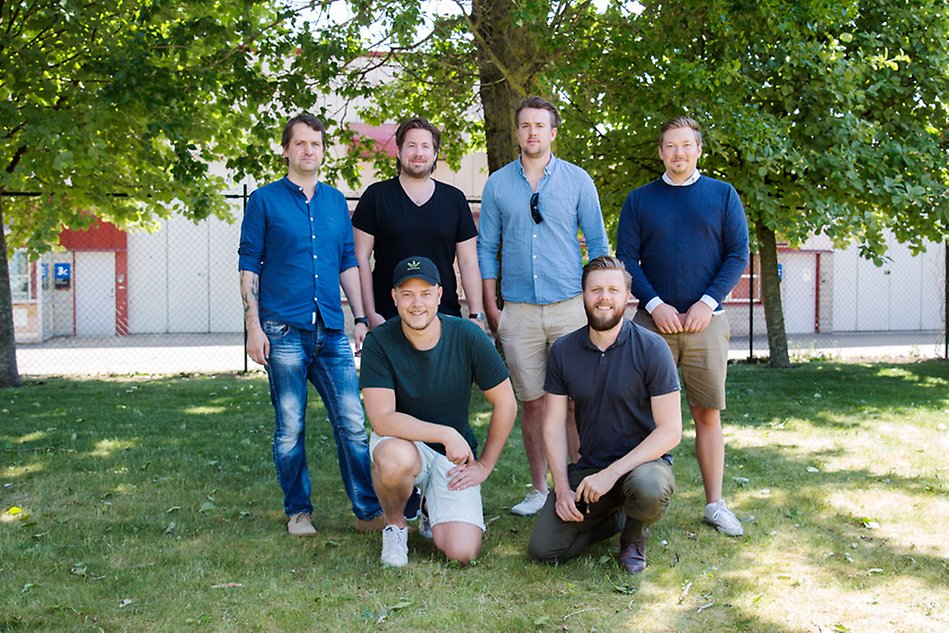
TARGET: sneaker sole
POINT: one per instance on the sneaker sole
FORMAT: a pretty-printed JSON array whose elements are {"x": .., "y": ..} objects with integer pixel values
[{"x": 725, "y": 531}]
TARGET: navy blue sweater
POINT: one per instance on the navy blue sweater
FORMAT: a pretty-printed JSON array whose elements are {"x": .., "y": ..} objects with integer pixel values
[{"x": 680, "y": 243}]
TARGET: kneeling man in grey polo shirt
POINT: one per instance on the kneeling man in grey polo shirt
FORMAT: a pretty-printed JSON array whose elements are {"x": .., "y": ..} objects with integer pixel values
[{"x": 624, "y": 382}]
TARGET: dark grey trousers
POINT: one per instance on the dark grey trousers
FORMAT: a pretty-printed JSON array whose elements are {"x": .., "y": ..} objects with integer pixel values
[{"x": 636, "y": 501}]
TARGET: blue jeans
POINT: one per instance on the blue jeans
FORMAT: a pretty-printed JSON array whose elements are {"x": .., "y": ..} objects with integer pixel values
[{"x": 324, "y": 358}]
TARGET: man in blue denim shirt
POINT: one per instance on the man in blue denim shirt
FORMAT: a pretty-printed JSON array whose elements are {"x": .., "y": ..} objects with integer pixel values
[
  {"x": 296, "y": 250},
  {"x": 531, "y": 211}
]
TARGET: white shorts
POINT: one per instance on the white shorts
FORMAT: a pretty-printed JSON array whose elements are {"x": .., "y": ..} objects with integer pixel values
[{"x": 443, "y": 505}]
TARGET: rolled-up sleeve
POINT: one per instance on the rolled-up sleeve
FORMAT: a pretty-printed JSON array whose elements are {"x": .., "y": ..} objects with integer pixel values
[{"x": 251, "y": 250}]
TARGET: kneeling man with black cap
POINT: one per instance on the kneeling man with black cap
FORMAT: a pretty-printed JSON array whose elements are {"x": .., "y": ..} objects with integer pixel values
[{"x": 416, "y": 379}]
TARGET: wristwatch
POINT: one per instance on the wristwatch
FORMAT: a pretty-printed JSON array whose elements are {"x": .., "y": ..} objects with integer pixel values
[
  {"x": 478, "y": 316},
  {"x": 362, "y": 319}
]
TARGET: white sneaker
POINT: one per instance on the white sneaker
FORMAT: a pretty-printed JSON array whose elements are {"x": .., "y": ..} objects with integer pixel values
[
  {"x": 531, "y": 504},
  {"x": 424, "y": 525},
  {"x": 723, "y": 519},
  {"x": 301, "y": 524},
  {"x": 395, "y": 546}
]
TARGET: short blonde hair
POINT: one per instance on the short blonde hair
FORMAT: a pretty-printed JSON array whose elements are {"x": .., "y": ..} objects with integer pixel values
[{"x": 681, "y": 122}]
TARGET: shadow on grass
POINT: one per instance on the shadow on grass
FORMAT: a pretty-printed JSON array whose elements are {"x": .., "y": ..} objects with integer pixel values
[{"x": 826, "y": 394}]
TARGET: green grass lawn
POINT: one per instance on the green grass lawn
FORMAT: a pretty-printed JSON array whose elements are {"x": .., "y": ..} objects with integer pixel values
[{"x": 151, "y": 504}]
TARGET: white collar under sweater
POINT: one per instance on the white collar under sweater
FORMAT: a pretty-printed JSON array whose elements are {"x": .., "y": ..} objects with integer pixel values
[{"x": 688, "y": 181}]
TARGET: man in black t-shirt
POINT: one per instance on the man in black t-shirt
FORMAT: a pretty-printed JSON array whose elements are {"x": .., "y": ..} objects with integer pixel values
[
  {"x": 413, "y": 214},
  {"x": 416, "y": 379},
  {"x": 624, "y": 383}
]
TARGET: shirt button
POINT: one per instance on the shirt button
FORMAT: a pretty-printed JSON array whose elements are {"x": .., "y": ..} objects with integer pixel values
[
  {"x": 316, "y": 276},
  {"x": 312, "y": 237}
]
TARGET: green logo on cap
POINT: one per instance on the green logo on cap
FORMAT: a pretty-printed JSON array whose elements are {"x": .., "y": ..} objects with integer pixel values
[{"x": 414, "y": 265}]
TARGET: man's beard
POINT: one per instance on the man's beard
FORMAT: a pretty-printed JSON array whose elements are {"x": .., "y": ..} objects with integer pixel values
[{"x": 602, "y": 322}]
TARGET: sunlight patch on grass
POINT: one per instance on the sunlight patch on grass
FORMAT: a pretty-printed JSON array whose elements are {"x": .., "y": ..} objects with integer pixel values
[
  {"x": 890, "y": 514},
  {"x": 105, "y": 448},
  {"x": 35, "y": 436},
  {"x": 859, "y": 591},
  {"x": 205, "y": 410},
  {"x": 11, "y": 472}
]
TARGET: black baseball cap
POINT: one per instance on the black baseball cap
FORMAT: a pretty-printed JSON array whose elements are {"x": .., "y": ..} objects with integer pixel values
[{"x": 421, "y": 267}]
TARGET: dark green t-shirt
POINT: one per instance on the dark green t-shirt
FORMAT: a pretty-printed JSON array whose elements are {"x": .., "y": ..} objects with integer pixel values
[{"x": 433, "y": 385}]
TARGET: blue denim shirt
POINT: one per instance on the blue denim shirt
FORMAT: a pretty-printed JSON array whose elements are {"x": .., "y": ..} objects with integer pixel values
[
  {"x": 541, "y": 262},
  {"x": 299, "y": 250}
]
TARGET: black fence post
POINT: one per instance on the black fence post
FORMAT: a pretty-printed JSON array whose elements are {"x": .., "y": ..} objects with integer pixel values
[
  {"x": 751, "y": 308},
  {"x": 243, "y": 211}
]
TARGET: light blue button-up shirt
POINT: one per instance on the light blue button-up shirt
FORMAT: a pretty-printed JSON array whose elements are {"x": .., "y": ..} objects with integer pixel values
[{"x": 541, "y": 262}]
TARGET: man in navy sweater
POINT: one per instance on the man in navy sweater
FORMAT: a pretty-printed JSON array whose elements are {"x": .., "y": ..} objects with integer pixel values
[{"x": 684, "y": 239}]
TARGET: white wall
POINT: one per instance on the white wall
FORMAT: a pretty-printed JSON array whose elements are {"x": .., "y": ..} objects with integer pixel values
[{"x": 183, "y": 278}]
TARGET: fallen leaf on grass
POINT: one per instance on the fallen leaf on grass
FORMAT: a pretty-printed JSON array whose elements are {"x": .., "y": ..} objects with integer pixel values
[
  {"x": 741, "y": 481},
  {"x": 704, "y": 607},
  {"x": 625, "y": 588},
  {"x": 207, "y": 506},
  {"x": 171, "y": 527},
  {"x": 387, "y": 611},
  {"x": 685, "y": 591},
  {"x": 812, "y": 469},
  {"x": 226, "y": 585},
  {"x": 874, "y": 570},
  {"x": 27, "y": 587},
  {"x": 870, "y": 524},
  {"x": 173, "y": 509},
  {"x": 125, "y": 602}
]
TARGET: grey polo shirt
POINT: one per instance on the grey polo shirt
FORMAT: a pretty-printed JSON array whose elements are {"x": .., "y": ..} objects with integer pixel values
[{"x": 611, "y": 388}]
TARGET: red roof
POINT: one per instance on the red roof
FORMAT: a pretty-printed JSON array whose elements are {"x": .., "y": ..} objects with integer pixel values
[{"x": 383, "y": 135}]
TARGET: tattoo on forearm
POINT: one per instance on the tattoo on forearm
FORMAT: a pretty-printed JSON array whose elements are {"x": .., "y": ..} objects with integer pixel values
[{"x": 250, "y": 295}]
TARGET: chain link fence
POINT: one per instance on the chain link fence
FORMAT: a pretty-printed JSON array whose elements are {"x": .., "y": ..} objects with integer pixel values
[{"x": 116, "y": 302}]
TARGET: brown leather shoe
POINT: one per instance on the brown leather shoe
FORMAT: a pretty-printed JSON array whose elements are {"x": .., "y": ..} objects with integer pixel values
[
  {"x": 371, "y": 525},
  {"x": 632, "y": 556}
]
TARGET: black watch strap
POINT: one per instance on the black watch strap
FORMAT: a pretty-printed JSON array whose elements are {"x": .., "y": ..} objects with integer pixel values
[{"x": 362, "y": 319}]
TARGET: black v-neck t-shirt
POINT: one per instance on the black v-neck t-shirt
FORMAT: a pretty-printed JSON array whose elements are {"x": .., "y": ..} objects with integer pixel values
[{"x": 403, "y": 229}]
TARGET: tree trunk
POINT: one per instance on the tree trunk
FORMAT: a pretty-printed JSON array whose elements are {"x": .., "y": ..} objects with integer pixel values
[
  {"x": 771, "y": 295},
  {"x": 505, "y": 60},
  {"x": 9, "y": 376}
]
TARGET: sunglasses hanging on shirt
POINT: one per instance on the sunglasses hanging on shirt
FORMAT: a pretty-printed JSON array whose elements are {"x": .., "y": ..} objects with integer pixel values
[{"x": 535, "y": 208}]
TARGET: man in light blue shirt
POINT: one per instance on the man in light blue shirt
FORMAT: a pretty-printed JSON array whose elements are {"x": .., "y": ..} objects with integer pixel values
[{"x": 531, "y": 211}]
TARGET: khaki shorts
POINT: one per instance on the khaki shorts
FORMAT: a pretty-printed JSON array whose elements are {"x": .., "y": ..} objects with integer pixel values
[
  {"x": 526, "y": 333},
  {"x": 443, "y": 505},
  {"x": 703, "y": 358}
]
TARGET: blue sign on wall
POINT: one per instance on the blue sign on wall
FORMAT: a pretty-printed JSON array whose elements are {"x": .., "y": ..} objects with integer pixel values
[
  {"x": 62, "y": 275},
  {"x": 780, "y": 272}
]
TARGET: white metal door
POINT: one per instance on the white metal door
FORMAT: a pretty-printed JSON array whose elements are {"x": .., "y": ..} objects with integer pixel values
[
  {"x": 95, "y": 294},
  {"x": 798, "y": 291}
]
